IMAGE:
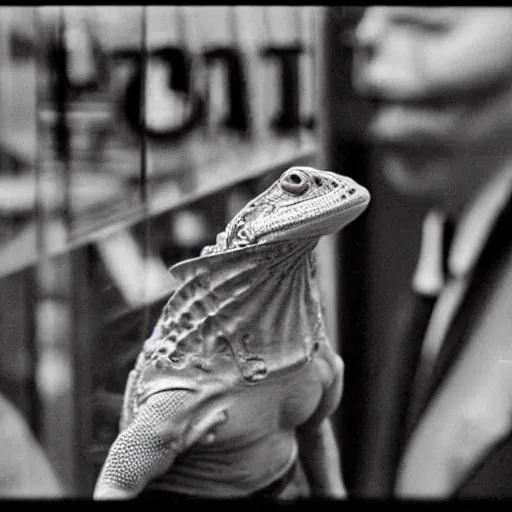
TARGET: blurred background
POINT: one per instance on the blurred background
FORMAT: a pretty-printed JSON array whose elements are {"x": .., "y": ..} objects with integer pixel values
[{"x": 129, "y": 136}]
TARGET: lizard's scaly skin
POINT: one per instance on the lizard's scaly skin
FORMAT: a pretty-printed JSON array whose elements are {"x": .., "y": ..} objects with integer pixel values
[{"x": 239, "y": 358}]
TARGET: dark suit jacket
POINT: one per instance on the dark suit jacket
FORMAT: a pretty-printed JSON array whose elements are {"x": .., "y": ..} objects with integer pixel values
[{"x": 471, "y": 390}]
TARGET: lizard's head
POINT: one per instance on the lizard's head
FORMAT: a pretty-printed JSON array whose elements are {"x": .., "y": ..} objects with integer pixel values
[{"x": 303, "y": 203}]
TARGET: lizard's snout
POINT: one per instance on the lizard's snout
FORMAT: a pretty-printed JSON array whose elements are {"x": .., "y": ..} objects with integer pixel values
[{"x": 295, "y": 182}]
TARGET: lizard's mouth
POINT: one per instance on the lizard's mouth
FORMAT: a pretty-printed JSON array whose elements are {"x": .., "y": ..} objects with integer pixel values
[{"x": 318, "y": 224}]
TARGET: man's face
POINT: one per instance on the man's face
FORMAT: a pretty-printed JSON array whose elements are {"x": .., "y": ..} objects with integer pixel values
[{"x": 441, "y": 79}]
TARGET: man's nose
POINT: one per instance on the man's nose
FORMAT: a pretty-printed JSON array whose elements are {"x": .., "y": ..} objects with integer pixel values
[
  {"x": 366, "y": 38},
  {"x": 369, "y": 31}
]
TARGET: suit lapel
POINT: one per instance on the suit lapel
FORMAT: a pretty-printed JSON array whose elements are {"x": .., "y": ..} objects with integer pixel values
[
  {"x": 438, "y": 428},
  {"x": 483, "y": 281}
]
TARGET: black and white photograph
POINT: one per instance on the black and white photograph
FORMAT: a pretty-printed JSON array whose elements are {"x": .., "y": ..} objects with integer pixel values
[{"x": 255, "y": 253}]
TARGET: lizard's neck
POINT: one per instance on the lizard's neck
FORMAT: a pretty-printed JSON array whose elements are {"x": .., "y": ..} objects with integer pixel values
[{"x": 261, "y": 302}]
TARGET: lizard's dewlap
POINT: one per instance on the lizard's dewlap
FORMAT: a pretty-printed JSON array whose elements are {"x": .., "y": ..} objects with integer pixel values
[{"x": 239, "y": 296}]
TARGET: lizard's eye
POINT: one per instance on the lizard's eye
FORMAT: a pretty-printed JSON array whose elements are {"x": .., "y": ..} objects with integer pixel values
[{"x": 295, "y": 183}]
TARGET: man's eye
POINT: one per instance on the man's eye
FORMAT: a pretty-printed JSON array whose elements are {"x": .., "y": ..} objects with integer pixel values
[{"x": 427, "y": 19}]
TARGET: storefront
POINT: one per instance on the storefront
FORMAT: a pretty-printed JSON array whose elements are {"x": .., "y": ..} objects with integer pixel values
[{"x": 130, "y": 136}]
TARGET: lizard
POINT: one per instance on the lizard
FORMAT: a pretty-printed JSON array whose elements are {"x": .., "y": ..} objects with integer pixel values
[{"x": 238, "y": 379}]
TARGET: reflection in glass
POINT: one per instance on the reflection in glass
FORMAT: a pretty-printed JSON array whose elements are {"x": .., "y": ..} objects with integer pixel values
[{"x": 129, "y": 137}]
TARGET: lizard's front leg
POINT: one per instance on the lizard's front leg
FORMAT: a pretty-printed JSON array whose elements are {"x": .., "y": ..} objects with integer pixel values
[{"x": 148, "y": 446}]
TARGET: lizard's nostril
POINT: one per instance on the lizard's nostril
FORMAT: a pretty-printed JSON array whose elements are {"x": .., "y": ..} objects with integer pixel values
[{"x": 295, "y": 183}]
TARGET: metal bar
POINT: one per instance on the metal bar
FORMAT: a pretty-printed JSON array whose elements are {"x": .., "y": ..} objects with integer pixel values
[
  {"x": 143, "y": 179},
  {"x": 31, "y": 282},
  {"x": 83, "y": 338},
  {"x": 144, "y": 194},
  {"x": 299, "y": 27},
  {"x": 62, "y": 131}
]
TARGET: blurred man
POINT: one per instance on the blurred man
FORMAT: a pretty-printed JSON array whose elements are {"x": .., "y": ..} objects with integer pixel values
[{"x": 441, "y": 80}]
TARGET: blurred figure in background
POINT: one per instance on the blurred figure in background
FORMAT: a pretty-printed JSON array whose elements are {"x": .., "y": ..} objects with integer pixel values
[
  {"x": 441, "y": 80},
  {"x": 25, "y": 472}
]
